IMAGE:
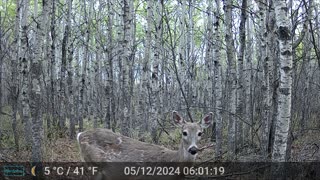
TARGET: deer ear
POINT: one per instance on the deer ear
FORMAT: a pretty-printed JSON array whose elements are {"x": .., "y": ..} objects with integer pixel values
[
  {"x": 177, "y": 119},
  {"x": 207, "y": 120}
]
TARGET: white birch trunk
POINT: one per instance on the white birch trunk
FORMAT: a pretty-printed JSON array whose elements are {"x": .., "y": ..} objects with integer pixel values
[
  {"x": 155, "y": 104},
  {"x": 126, "y": 51},
  {"x": 209, "y": 81},
  {"x": 218, "y": 81},
  {"x": 146, "y": 78},
  {"x": 284, "y": 103}
]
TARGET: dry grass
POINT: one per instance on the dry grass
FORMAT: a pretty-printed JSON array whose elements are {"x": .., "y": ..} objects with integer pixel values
[
  {"x": 306, "y": 147},
  {"x": 61, "y": 150}
]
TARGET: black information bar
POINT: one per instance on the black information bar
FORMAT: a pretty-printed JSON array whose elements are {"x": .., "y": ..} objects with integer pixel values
[{"x": 160, "y": 170}]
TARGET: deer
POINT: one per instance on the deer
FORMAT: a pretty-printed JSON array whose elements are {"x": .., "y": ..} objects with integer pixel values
[{"x": 103, "y": 145}]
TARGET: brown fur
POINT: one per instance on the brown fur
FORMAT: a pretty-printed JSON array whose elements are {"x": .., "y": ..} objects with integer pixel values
[{"x": 102, "y": 145}]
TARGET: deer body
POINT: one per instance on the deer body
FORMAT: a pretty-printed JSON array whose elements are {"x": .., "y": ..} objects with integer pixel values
[{"x": 103, "y": 145}]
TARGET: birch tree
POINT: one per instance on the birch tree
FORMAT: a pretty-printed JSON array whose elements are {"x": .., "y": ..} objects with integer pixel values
[
  {"x": 271, "y": 71},
  {"x": 110, "y": 84},
  {"x": 146, "y": 81},
  {"x": 228, "y": 5},
  {"x": 125, "y": 69},
  {"x": 155, "y": 104},
  {"x": 248, "y": 77},
  {"x": 241, "y": 90},
  {"x": 25, "y": 61},
  {"x": 218, "y": 80},
  {"x": 63, "y": 83},
  {"x": 52, "y": 65},
  {"x": 265, "y": 60},
  {"x": 158, "y": 65},
  {"x": 284, "y": 101},
  {"x": 83, "y": 92},
  {"x": 209, "y": 55},
  {"x": 69, "y": 56}
]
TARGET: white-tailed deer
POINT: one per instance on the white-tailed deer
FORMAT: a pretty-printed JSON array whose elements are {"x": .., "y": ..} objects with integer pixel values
[{"x": 102, "y": 145}]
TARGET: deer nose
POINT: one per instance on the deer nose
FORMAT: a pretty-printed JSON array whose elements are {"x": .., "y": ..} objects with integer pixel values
[{"x": 193, "y": 150}]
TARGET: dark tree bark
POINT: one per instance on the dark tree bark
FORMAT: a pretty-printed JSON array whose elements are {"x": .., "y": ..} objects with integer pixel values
[
  {"x": 14, "y": 90},
  {"x": 241, "y": 88},
  {"x": 36, "y": 93}
]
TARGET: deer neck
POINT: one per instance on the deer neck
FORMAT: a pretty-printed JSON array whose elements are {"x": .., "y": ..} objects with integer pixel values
[{"x": 184, "y": 155}]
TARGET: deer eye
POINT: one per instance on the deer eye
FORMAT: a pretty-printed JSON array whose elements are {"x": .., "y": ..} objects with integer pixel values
[
  {"x": 200, "y": 134},
  {"x": 185, "y": 133}
]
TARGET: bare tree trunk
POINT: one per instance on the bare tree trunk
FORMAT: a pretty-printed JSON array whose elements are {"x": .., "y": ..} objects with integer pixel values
[
  {"x": 69, "y": 56},
  {"x": 63, "y": 76},
  {"x": 209, "y": 91},
  {"x": 53, "y": 65},
  {"x": 125, "y": 58},
  {"x": 110, "y": 107},
  {"x": 71, "y": 90},
  {"x": 77, "y": 85},
  {"x": 83, "y": 92},
  {"x": 284, "y": 102},
  {"x": 190, "y": 60},
  {"x": 248, "y": 79},
  {"x": 95, "y": 88},
  {"x": 266, "y": 84},
  {"x": 158, "y": 11},
  {"x": 145, "y": 96},
  {"x": 306, "y": 66},
  {"x": 231, "y": 78},
  {"x": 155, "y": 104},
  {"x": 241, "y": 90},
  {"x": 218, "y": 81},
  {"x": 35, "y": 96},
  {"x": 47, "y": 71},
  {"x": 14, "y": 75},
  {"x": 25, "y": 61},
  {"x": 182, "y": 66},
  {"x": 306, "y": 100},
  {"x": 1, "y": 65},
  {"x": 272, "y": 50}
]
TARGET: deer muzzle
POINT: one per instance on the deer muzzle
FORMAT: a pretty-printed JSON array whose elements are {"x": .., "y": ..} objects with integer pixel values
[{"x": 193, "y": 150}]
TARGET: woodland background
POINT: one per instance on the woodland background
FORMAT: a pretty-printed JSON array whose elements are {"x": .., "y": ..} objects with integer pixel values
[{"x": 71, "y": 65}]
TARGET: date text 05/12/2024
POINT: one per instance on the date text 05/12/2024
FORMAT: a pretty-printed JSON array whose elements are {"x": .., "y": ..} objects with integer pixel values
[{"x": 173, "y": 171}]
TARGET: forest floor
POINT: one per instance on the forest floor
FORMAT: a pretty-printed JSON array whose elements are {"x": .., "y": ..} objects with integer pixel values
[
  {"x": 61, "y": 150},
  {"x": 304, "y": 148}
]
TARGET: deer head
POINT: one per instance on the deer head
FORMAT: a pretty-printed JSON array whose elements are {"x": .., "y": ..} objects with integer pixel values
[{"x": 191, "y": 134}]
